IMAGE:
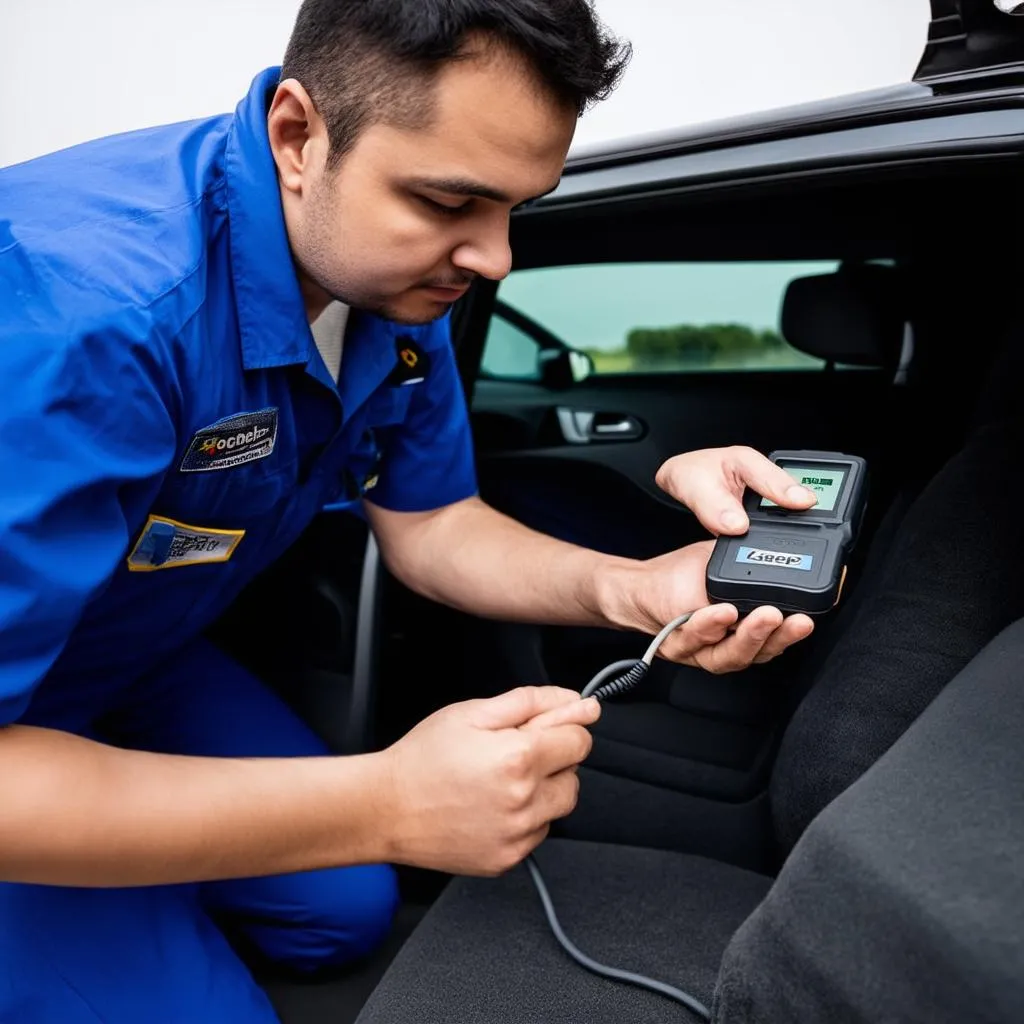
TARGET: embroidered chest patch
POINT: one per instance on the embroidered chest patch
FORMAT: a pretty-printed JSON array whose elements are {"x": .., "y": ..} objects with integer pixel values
[{"x": 232, "y": 442}]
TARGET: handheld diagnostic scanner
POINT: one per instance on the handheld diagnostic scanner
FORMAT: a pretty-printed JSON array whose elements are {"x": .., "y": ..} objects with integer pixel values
[{"x": 794, "y": 560}]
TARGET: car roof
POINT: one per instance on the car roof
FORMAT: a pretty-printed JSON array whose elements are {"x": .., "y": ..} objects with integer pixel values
[
  {"x": 972, "y": 64},
  {"x": 748, "y": 127}
]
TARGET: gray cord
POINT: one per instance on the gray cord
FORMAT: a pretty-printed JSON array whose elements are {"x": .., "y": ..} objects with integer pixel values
[
  {"x": 609, "y": 972},
  {"x": 656, "y": 643},
  {"x": 620, "y": 666},
  {"x": 582, "y": 959},
  {"x": 606, "y": 673}
]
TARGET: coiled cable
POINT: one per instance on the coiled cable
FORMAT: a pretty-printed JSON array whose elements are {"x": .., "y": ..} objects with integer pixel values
[{"x": 627, "y": 674}]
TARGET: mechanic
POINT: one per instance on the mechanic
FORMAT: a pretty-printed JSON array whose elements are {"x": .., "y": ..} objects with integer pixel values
[{"x": 211, "y": 330}]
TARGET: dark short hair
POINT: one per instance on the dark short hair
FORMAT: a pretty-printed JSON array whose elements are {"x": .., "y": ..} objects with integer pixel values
[{"x": 365, "y": 61}]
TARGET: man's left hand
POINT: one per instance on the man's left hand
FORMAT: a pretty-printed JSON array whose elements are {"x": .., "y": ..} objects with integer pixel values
[
  {"x": 660, "y": 589},
  {"x": 711, "y": 482}
]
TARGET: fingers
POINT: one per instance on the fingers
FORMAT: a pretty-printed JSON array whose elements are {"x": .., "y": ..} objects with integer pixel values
[
  {"x": 515, "y": 708},
  {"x": 582, "y": 712},
  {"x": 556, "y": 798},
  {"x": 560, "y": 747},
  {"x": 707, "y": 626},
  {"x": 716, "y": 641},
  {"x": 740, "y": 649},
  {"x": 698, "y": 481},
  {"x": 793, "y": 630},
  {"x": 711, "y": 483},
  {"x": 530, "y": 843},
  {"x": 559, "y": 795},
  {"x": 761, "y": 636},
  {"x": 769, "y": 480}
]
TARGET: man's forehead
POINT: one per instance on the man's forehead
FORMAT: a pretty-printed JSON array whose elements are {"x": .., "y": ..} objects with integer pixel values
[
  {"x": 499, "y": 104},
  {"x": 492, "y": 133}
]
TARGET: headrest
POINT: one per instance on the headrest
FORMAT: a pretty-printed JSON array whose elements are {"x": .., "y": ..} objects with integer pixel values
[
  {"x": 854, "y": 316},
  {"x": 999, "y": 394}
]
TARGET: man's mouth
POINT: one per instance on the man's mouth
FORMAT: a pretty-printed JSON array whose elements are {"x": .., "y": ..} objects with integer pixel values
[{"x": 446, "y": 293}]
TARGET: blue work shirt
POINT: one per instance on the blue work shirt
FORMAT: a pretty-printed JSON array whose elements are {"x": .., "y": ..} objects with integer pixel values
[{"x": 167, "y": 426}]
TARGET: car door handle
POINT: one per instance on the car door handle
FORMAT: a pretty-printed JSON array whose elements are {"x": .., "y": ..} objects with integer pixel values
[
  {"x": 582, "y": 426},
  {"x": 620, "y": 428}
]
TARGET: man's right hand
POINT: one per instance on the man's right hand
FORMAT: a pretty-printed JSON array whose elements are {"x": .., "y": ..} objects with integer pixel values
[
  {"x": 476, "y": 785},
  {"x": 471, "y": 790}
]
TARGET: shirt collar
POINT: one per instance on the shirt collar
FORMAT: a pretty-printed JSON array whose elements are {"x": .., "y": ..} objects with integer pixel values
[
  {"x": 271, "y": 313},
  {"x": 368, "y": 358}
]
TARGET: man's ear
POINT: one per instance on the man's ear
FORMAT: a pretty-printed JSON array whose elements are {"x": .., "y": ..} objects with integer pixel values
[{"x": 297, "y": 135}]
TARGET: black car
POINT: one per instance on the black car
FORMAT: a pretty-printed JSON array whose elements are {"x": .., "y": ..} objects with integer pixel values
[{"x": 842, "y": 276}]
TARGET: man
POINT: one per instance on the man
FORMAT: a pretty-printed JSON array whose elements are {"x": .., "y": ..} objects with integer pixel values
[{"x": 170, "y": 426}]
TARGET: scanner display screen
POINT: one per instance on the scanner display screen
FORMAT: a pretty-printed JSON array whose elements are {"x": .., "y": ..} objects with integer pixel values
[
  {"x": 826, "y": 482},
  {"x": 794, "y": 559}
]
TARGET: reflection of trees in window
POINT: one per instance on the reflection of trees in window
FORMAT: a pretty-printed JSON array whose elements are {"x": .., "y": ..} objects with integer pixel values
[{"x": 694, "y": 345}]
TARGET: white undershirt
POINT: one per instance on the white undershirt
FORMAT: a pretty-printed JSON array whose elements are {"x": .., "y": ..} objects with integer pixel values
[{"x": 329, "y": 334}]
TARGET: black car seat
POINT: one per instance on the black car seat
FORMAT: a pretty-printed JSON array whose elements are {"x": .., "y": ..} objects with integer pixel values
[
  {"x": 904, "y": 899},
  {"x": 939, "y": 583},
  {"x": 945, "y": 587}
]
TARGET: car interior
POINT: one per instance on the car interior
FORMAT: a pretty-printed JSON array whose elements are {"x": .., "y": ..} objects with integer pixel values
[{"x": 834, "y": 835}]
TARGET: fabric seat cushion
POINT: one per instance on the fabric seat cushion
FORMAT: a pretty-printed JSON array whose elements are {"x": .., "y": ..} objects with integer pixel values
[
  {"x": 484, "y": 954},
  {"x": 904, "y": 899}
]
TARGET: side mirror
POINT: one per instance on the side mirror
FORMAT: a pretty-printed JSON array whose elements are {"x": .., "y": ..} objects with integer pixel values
[{"x": 560, "y": 368}]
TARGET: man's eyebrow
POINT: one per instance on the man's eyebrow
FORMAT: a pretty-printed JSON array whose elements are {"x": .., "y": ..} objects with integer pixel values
[{"x": 468, "y": 187}]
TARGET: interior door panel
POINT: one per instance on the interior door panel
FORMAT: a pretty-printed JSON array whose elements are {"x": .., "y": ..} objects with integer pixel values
[{"x": 530, "y": 469}]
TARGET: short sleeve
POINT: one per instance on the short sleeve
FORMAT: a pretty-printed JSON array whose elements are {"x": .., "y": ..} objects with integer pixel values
[
  {"x": 428, "y": 460},
  {"x": 84, "y": 433}
]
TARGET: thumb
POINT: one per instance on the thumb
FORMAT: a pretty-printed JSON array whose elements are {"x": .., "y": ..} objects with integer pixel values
[
  {"x": 581, "y": 712},
  {"x": 515, "y": 708}
]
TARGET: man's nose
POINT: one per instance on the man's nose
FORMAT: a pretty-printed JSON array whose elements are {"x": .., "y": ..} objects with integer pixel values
[{"x": 486, "y": 254}]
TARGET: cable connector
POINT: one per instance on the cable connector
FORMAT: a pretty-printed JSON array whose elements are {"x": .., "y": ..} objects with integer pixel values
[
  {"x": 635, "y": 669},
  {"x": 625, "y": 683}
]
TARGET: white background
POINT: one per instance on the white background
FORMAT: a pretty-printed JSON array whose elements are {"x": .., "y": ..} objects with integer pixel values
[{"x": 71, "y": 70}]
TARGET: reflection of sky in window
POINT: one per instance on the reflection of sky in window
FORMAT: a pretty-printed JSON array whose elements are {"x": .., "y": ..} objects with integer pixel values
[{"x": 596, "y": 306}]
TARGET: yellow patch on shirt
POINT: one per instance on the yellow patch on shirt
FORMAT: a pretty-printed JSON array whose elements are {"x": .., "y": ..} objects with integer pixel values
[{"x": 167, "y": 544}]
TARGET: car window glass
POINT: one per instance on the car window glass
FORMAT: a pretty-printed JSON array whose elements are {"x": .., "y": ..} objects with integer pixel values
[
  {"x": 654, "y": 317},
  {"x": 510, "y": 352}
]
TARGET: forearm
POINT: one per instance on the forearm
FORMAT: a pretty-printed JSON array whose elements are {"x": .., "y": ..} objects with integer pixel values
[
  {"x": 472, "y": 557},
  {"x": 84, "y": 814}
]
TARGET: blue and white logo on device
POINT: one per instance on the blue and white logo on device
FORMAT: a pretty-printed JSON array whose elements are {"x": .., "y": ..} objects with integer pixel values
[{"x": 780, "y": 559}]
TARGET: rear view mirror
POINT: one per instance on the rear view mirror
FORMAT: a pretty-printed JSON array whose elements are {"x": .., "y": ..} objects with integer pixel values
[
  {"x": 560, "y": 368},
  {"x": 582, "y": 365}
]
